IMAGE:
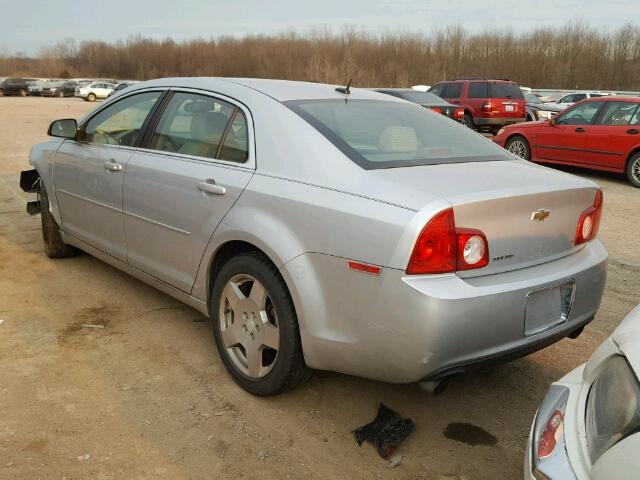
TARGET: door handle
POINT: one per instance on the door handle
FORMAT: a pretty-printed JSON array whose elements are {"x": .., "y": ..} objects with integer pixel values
[
  {"x": 112, "y": 166},
  {"x": 580, "y": 130},
  {"x": 633, "y": 131},
  {"x": 209, "y": 186}
]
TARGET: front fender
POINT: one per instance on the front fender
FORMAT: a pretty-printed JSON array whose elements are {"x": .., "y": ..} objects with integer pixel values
[{"x": 42, "y": 158}]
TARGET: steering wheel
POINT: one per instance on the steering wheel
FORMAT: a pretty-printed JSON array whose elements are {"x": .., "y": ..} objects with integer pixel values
[{"x": 110, "y": 140}]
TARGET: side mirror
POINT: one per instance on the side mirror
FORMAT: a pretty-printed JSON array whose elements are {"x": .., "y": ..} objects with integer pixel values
[
  {"x": 65, "y": 128},
  {"x": 552, "y": 122}
]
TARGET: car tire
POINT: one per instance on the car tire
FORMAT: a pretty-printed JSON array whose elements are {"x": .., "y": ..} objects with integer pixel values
[
  {"x": 467, "y": 121},
  {"x": 519, "y": 146},
  {"x": 60, "y": 94},
  {"x": 22, "y": 92},
  {"x": 1, "y": 93},
  {"x": 263, "y": 312},
  {"x": 54, "y": 247},
  {"x": 91, "y": 97},
  {"x": 633, "y": 170}
]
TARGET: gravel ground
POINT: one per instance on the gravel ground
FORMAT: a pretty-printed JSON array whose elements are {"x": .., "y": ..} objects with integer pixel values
[{"x": 147, "y": 396}]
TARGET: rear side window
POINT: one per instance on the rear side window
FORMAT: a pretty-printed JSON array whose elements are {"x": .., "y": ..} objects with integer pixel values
[
  {"x": 386, "y": 134},
  {"x": 506, "y": 90},
  {"x": 202, "y": 126},
  {"x": 478, "y": 90},
  {"x": 453, "y": 90},
  {"x": 618, "y": 113}
]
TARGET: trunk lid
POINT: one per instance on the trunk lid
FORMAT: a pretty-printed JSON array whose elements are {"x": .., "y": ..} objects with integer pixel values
[{"x": 499, "y": 198}]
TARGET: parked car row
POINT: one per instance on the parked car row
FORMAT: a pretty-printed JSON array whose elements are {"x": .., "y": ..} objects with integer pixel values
[{"x": 88, "y": 90}]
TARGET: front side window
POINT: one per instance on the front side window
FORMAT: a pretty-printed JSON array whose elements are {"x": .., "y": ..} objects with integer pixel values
[
  {"x": 120, "y": 122},
  {"x": 386, "y": 134},
  {"x": 582, "y": 114},
  {"x": 202, "y": 126},
  {"x": 618, "y": 113}
]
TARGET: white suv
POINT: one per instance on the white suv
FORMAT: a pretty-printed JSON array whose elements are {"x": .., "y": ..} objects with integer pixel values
[{"x": 94, "y": 90}]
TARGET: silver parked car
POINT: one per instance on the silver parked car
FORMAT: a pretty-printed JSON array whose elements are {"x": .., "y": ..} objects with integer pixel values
[{"x": 325, "y": 228}]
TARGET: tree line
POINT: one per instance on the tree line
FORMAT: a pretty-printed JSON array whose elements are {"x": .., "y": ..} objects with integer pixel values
[{"x": 572, "y": 56}]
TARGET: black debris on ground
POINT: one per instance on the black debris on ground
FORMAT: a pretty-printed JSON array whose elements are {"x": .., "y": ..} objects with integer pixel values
[{"x": 386, "y": 432}]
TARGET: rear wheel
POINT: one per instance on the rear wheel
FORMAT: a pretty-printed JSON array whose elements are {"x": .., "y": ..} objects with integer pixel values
[
  {"x": 60, "y": 94},
  {"x": 633, "y": 170},
  {"x": 22, "y": 92},
  {"x": 54, "y": 247},
  {"x": 518, "y": 145},
  {"x": 255, "y": 326},
  {"x": 467, "y": 120},
  {"x": 91, "y": 97},
  {"x": 1, "y": 93}
]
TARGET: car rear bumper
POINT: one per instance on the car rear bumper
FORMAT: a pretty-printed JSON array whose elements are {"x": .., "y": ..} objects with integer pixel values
[
  {"x": 497, "y": 121},
  {"x": 403, "y": 329}
]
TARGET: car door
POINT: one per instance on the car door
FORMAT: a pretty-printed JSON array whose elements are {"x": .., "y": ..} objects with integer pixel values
[
  {"x": 565, "y": 141},
  {"x": 88, "y": 172},
  {"x": 197, "y": 160},
  {"x": 615, "y": 132}
]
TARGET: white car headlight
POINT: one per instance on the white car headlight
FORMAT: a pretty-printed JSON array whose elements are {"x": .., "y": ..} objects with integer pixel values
[{"x": 613, "y": 406}]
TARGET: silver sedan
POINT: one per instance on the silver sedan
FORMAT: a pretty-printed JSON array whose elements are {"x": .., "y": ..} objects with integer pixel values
[{"x": 324, "y": 228}]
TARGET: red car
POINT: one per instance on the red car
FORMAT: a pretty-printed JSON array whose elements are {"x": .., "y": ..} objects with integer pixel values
[
  {"x": 488, "y": 104},
  {"x": 599, "y": 133}
]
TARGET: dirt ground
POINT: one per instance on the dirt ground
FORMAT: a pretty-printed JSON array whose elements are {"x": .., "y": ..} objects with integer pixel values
[{"x": 147, "y": 396}]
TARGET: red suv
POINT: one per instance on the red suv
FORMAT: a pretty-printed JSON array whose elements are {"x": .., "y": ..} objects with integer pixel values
[{"x": 488, "y": 104}]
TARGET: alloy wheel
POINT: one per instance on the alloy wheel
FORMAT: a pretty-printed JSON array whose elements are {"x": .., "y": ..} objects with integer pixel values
[
  {"x": 635, "y": 170},
  {"x": 518, "y": 147},
  {"x": 249, "y": 326}
]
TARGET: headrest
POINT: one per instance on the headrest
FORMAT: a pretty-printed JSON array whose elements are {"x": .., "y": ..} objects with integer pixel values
[
  {"x": 398, "y": 139},
  {"x": 199, "y": 106},
  {"x": 208, "y": 126}
]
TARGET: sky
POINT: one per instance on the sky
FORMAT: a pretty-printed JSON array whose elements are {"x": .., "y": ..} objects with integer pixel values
[{"x": 26, "y": 27}]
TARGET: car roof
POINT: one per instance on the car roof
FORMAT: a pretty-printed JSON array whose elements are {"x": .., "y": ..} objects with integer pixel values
[
  {"x": 281, "y": 90},
  {"x": 612, "y": 98}
]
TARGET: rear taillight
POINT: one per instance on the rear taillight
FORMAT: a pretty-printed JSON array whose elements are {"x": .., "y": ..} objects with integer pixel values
[
  {"x": 435, "y": 109},
  {"x": 441, "y": 248},
  {"x": 458, "y": 113},
  {"x": 487, "y": 107},
  {"x": 549, "y": 438},
  {"x": 589, "y": 222}
]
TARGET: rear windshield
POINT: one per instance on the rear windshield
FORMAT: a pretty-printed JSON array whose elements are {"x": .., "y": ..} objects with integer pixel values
[
  {"x": 380, "y": 134},
  {"x": 506, "y": 90}
]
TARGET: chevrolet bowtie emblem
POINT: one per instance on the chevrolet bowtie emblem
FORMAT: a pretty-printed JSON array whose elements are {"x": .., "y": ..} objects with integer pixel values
[{"x": 540, "y": 215}]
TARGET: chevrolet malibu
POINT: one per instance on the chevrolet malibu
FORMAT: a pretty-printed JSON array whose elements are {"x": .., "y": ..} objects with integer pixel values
[
  {"x": 324, "y": 228},
  {"x": 588, "y": 425}
]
